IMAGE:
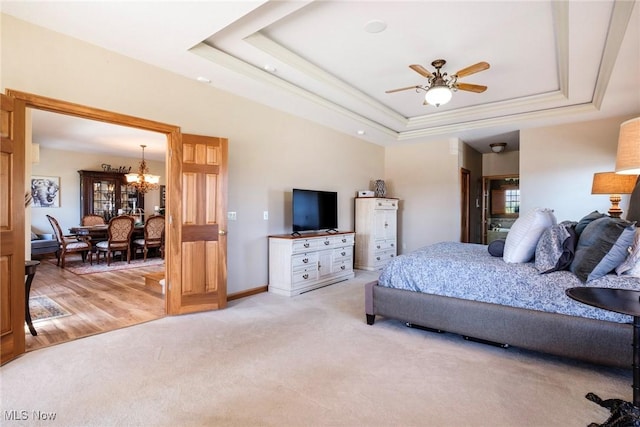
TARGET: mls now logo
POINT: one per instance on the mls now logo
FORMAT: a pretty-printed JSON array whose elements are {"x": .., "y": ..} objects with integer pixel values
[
  {"x": 23, "y": 415},
  {"x": 15, "y": 415}
]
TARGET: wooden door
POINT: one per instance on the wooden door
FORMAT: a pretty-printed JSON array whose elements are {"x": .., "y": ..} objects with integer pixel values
[
  {"x": 12, "y": 236},
  {"x": 465, "y": 202},
  {"x": 198, "y": 167}
]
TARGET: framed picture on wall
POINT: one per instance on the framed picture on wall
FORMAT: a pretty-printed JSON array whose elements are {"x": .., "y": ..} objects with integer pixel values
[
  {"x": 163, "y": 194},
  {"x": 45, "y": 191}
]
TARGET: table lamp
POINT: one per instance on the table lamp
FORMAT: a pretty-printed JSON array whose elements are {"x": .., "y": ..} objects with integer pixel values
[
  {"x": 613, "y": 184},
  {"x": 628, "y": 161}
]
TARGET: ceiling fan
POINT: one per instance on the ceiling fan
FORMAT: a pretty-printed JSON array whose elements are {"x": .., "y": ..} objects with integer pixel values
[{"x": 440, "y": 86}]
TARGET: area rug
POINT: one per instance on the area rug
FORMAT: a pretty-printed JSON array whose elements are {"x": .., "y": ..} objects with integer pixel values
[
  {"x": 75, "y": 265},
  {"x": 44, "y": 308}
]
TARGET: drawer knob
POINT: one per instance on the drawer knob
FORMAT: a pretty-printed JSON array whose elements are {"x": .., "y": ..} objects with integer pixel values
[
  {"x": 305, "y": 276},
  {"x": 378, "y": 258},
  {"x": 306, "y": 245},
  {"x": 326, "y": 242},
  {"x": 306, "y": 260},
  {"x": 344, "y": 240},
  {"x": 378, "y": 247},
  {"x": 343, "y": 253},
  {"x": 342, "y": 267},
  {"x": 393, "y": 244}
]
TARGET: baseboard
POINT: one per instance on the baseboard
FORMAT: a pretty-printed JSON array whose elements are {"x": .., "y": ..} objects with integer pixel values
[{"x": 247, "y": 293}]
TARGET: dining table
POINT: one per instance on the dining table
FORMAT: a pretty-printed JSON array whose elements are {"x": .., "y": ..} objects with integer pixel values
[{"x": 100, "y": 233}]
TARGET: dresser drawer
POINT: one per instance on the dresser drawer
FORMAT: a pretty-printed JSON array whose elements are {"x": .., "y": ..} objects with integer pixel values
[
  {"x": 386, "y": 204},
  {"x": 342, "y": 253},
  {"x": 301, "y": 275},
  {"x": 303, "y": 245},
  {"x": 381, "y": 258},
  {"x": 342, "y": 265},
  {"x": 342, "y": 240},
  {"x": 385, "y": 245},
  {"x": 304, "y": 259}
]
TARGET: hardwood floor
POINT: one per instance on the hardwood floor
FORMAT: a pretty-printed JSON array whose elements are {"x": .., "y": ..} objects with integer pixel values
[{"x": 97, "y": 302}]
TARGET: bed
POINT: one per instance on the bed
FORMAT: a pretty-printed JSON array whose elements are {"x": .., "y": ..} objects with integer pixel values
[{"x": 460, "y": 288}]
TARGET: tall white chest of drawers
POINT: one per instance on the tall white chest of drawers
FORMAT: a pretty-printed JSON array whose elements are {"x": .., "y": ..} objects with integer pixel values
[
  {"x": 376, "y": 229},
  {"x": 299, "y": 264}
]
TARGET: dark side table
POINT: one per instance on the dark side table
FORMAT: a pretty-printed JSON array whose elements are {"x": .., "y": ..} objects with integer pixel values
[
  {"x": 30, "y": 272},
  {"x": 623, "y": 301}
]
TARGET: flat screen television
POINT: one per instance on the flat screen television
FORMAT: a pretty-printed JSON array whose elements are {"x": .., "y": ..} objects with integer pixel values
[{"x": 314, "y": 210}]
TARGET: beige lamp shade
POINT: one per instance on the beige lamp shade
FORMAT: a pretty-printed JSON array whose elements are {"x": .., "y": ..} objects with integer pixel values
[
  {"x": 628, "y": 157},
  {"x": 613, "y": 183}
]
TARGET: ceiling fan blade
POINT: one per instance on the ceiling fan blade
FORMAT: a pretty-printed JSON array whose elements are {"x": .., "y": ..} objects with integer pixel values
[
  {"x": 471, "y": 87},
  {"x": 402, "y": 88},
  {"x": 472, "y": 69},
  {"x": 421, "y": 70}
]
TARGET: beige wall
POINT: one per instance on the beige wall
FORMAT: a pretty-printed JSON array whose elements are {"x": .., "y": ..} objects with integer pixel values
[
  {"x": 506, "y": 163},
  {"x": 269, "y": 152},
  {"x": 557, "y": 165},
  {"x": 425, "y": 178},
  {"x": 68, "y": 214}
]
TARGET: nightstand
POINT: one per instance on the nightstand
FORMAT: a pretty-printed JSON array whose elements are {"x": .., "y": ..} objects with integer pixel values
[{"x": 623, "y": 301}]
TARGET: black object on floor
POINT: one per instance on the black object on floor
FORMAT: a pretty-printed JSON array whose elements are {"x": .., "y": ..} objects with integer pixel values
[{"x": 623, "y": 413}]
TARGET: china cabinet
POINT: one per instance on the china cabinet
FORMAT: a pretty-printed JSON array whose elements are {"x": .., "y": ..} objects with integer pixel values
[{"x": 107, "y": 194}]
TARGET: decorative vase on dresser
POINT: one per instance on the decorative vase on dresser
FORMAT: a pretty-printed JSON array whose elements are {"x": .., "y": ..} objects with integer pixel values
[{"x": 376, "y": 227}]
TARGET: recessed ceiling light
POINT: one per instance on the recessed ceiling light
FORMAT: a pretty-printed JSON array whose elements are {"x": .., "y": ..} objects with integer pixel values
[
  {"x": 203, "y": 79},
  {"x": 375, "y": 26},
  {"x": 361, "y": 132},
  {"x": 270, "y": 68}
]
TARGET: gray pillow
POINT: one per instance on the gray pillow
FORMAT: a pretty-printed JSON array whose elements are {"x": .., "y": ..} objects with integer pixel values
[
  {"x": 602, "y": 246},
  {"x": 556, "y": 248},
  {"x": 496, "y": 248},
  {"x": 588, "y": 220}
]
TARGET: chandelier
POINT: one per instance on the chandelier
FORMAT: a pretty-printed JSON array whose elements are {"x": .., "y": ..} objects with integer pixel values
[{"x": 142, "y": 181}]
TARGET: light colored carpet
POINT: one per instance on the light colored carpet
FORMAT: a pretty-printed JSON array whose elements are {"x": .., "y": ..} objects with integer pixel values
[{"x": 310, "y": 360}]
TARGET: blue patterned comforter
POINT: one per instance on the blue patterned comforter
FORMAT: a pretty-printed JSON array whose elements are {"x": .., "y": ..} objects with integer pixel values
[{"x": 468, "y": 271}]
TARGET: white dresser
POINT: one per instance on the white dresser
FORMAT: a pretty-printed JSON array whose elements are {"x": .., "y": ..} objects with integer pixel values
[
  {"x": 299, "y": 264},
  {"x": 376, "y": 228}
]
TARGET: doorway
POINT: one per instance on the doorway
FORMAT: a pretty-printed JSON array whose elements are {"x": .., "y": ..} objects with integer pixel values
[
  {"x": 195, "y": 237},
  {"x": 74, "y": 284},
  {"x": 500, "y": 205},
  {"x": 69, "y": 306}
]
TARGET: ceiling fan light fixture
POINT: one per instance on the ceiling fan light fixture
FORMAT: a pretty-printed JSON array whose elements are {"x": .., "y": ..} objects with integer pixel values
[
  {"x": 438, "y": 95},
  {"x": 498, "y": 147}
]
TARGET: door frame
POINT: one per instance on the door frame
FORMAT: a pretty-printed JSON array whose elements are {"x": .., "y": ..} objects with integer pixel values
[
  {"x": 465, "y": 202},
  {"x": 173, "y": 194}
]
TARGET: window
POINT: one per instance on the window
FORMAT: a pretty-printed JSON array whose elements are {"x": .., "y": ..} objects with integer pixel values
[{"x": 512, "y": 201}]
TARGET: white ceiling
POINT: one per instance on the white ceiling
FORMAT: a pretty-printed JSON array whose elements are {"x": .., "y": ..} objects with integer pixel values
[{"x": 551, "y": 62}]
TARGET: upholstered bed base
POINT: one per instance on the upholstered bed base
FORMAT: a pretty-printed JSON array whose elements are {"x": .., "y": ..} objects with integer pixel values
[{"x": 589, "y": 340}]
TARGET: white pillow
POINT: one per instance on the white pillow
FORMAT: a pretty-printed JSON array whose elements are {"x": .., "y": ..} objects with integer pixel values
[{"x": 523, "y": 237}]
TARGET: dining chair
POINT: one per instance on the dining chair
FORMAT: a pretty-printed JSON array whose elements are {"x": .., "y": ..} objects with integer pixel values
[
  {"x": 153, "y": 236},
  {"x": 93, "y": 219},
  {"x": 69, "y": 244},
  {"x": 119, "y": 233}
]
